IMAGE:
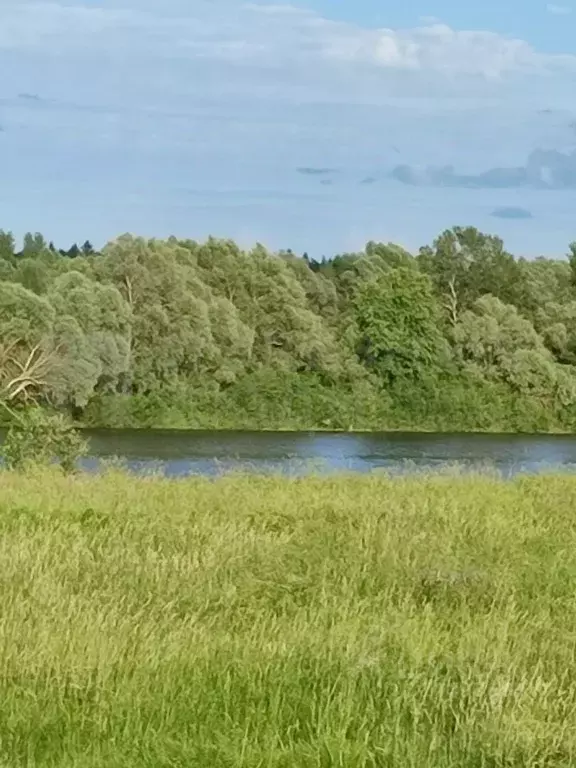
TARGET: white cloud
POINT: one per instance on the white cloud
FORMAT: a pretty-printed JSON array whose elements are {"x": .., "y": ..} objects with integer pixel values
[
  {"x": 436, "y": 48},
  {"x": 558, "y": 10},
  {"x": 432, "y": 47},
  {"x": 267, "y": 35},
  {"x": 165, "y": 57}
]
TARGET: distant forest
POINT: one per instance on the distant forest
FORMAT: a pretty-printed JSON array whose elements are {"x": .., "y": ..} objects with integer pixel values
[{"x": 177, "y": 333}]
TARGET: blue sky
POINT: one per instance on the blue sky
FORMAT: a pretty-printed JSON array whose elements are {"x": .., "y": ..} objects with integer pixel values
[{"x": 314, "y": 125}]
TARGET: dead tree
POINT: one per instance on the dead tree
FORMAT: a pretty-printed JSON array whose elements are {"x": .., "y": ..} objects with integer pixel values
[
  {"x": 451, "y": 303},
  {"x": 24, "y": 372}
]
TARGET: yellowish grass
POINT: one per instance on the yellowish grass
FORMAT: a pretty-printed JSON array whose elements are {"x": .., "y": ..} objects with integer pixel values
[{"x": 266, "y": 622}]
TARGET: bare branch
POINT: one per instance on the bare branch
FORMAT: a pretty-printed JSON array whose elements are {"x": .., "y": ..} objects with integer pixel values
[
  {"x": 451, "y": 303},
  {"x": 129, "y": 290},
  {"x": 24, "y": 371}
]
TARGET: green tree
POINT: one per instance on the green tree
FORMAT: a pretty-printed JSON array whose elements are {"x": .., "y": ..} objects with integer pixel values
[
  {"x": 32, "y": 273},
  {"x": 24, "y": 317},
  {"x": 398, "y": 325},
  {"x": 321, "y": 293},
  {"x": 494, "y": 341},
  {"x": 233, "y": 339},
  {"x": 7, "y": 253},
  {"x": 177, "y": 321},
  {"x": 492, "y": 331},
  {"x": 543, "y": 281},
  {"x": 94, "y": 327},
  {"x": 557, "y": 325},
  {"x": 264, "y": 287},
  {"x": 465, "y": 264},
  {"x": 7, "y": 246},
  {"x": 388, "y": 255},
  {"x": 34, "y": 245}
]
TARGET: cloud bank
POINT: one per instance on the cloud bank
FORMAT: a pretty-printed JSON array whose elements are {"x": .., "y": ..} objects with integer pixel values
[
  {"x": 544, "y": 169},
  {"x": 266, "y": 34}
]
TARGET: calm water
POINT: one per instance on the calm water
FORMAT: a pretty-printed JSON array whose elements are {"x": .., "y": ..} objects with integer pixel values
[{"x": 212, "y": 453}]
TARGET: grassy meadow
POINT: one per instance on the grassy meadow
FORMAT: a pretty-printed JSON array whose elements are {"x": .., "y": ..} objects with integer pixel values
[{"x": 425, "y": 622}]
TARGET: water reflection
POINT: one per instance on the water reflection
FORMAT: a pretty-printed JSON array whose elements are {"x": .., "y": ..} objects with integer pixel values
[{"x": 211, "y": 453}]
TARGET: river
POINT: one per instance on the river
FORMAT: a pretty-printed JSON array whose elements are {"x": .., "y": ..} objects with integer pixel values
[{"x": 176, "y": 453}]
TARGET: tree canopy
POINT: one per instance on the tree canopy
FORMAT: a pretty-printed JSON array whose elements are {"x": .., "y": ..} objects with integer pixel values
[{"x": 201, "y": 323}]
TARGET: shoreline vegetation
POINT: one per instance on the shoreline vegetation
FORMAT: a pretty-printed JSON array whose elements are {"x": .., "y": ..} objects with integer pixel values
[
  {"x": 460, "y": 336},
  {"x": 82, "y": 429},
  {"x": 505, "y": 413},
  {"x": 417, "y": 622}
]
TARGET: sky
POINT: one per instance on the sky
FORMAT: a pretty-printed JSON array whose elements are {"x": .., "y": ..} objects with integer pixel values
[{"x": 314, "y": 125}]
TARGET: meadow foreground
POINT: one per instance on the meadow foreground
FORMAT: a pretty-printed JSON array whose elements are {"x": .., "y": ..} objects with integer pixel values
[{"x": 271, "y": 623}]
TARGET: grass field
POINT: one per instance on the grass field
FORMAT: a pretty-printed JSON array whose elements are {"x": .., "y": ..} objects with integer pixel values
[{"x": 274, "y": 623}]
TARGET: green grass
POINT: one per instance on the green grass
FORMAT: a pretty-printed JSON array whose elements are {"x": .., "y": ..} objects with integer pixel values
[{"x": 275, "y": 623}]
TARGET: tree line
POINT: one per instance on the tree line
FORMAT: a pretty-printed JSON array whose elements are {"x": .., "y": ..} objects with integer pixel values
[{"x": 144, "y": 332}]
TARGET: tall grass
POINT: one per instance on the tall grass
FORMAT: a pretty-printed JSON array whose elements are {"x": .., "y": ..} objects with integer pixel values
[{"x": 278, "y": 623}]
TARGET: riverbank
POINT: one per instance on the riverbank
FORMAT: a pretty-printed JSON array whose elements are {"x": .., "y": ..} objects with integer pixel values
[
  {"x": 360, "y": 621},
  {"x": 281, "y": 401}
]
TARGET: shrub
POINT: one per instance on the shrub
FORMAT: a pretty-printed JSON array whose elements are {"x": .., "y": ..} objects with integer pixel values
[{"x": 38, "y": 437}]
